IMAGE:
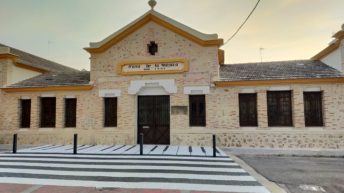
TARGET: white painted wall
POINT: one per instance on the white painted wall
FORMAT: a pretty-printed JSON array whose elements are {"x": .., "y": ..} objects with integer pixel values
[
  {"x": 16, "y": 74},
  {"x": 334, "y": 59},
  {"x": 168, "y": 85},
  {"x": 152, "y": 91},
  {"x": 190, "y": 90}
]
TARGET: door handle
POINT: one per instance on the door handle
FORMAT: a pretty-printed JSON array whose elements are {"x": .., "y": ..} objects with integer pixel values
[{"x": 145, "y": 127}]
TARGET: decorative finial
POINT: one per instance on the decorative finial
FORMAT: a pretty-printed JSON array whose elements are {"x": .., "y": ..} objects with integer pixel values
[{"x": 152, "y": 3}]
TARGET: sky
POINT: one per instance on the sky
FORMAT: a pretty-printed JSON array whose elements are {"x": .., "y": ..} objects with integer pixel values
[{"x": 58, "y": 30}]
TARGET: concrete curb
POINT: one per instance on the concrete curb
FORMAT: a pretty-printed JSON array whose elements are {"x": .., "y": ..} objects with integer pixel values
[{"x": 271, "y": 186}]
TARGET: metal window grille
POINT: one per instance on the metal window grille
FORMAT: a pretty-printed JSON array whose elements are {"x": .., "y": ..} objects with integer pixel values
[
  {"x": 279, "y": 108},
  {"x": 248, "y": 109},
  {"x": 70, "y": 112},
  {"x": 25, "y": 113},
  {"x": 110, "y": 112},
  {"x": 197, "y": 110},
  {"x": 48, "y": 111},
  {"x": 313, "y": 109}
]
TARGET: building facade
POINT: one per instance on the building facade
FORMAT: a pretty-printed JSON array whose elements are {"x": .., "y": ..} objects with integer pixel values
[{"x": 169, "y": 82}]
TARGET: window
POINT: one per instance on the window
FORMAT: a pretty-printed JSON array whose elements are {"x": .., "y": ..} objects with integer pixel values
[
  {"x": 197, "y": 110},
  {"x": 110, "y": 105},
  {"x": 70, "y": 112},
  {"x": 152, "y": 48},
  {"x": 248, "y": 109},
  {"x": 313, "y": 109},
  {"x": 279, "y": 108},
  {"x": 25, "y": 105},
  {"x": 48, "y": 111}
]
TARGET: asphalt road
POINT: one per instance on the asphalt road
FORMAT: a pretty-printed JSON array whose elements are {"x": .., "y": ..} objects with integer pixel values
[{"x": 301, "y": 174}]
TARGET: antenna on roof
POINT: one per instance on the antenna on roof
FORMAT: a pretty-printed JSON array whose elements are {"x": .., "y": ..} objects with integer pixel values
[
  {"x": 49, "y": 42},
  {"x": 152, "y": 3},
  {"x": 261, "y": 54}
]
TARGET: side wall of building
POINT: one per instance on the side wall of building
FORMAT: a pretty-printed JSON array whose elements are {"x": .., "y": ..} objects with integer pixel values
[
  {"x": 16, "y": 74},
  {"x": 336, "y": 58}
]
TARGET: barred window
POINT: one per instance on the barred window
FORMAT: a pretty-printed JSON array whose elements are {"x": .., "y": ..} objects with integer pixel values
[
  {"x": 110, "y": 113},
  {"x": 48, "y": 111},
  {"x": 248, "y": 109},
  {"x": 279, "y": 108},
  {"x": 313, "y": 109},
  {"x": 197, "y": 110},
  {"x": 70, "y": 112},
  {"x": 25, "y": 118}
]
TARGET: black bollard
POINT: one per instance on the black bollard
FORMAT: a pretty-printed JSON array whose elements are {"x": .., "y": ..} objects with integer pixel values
[
  {"x": 14, "y": 143},
  {"x": 141, "y": 143},
  {"x": 214, "y": 146},
  {"x": 75, "y": 147}
]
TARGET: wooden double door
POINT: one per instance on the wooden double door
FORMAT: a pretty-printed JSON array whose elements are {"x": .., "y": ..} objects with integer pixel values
[{"x": 154, "y": 119}]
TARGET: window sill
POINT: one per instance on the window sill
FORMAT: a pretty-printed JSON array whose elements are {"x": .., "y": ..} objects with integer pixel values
[
  {"x": 291, "y": 126},
  {"x": 198, "y": 128},
  {"x": 109, "y": 128},
  {"x": 24, "y": 129},
  {"x": 46, "y": 128}
]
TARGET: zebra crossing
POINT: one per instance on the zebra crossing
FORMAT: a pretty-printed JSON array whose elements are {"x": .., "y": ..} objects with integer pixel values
[
  {"x": 178, "y": 172},
  {"x": 127, "y": 149}
]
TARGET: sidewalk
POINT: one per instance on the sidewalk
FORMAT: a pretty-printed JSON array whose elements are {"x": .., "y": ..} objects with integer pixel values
[
  {"x": 8, "y": 147},
  {"x": 287, "y": 152},
  {"x": 295, "y": 170}
]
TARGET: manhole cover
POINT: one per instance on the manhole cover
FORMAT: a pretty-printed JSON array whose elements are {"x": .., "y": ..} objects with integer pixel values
[{"x": 312, "y": 188}]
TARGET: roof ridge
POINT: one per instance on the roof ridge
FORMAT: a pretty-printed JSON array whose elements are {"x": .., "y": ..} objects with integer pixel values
[{"x": 271, "y": 62}]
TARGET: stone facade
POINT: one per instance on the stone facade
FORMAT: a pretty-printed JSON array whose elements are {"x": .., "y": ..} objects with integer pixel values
[
  {"x": 3, "y": 77},
  {"x": 222, "y": 120},
  {"x": 4, "y": 63},
  {"x": 222, "y": 104}
]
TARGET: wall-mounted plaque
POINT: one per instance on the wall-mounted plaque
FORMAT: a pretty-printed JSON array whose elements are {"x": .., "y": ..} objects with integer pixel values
[
  {"x": 160, "y": 66},
  {"x": 179, "y": 110}
]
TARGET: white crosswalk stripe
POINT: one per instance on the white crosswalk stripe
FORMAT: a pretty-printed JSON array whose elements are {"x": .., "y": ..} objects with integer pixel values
[
  {"x": 128, "y": 171},
  {"x": 40, "y": 166}
]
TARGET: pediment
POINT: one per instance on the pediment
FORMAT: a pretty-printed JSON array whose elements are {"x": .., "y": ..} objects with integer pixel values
[{"x": 153, "y": 16}]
